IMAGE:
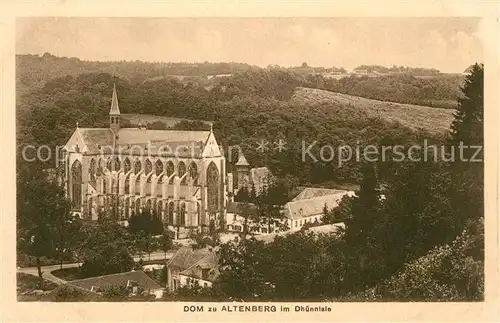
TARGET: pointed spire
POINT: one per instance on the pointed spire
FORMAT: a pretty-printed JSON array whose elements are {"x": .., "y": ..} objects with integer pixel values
[
  {"x": 114, "y": 103},
  {"x": 242, "y": 161},
  {"x": 77, "y": 125}
]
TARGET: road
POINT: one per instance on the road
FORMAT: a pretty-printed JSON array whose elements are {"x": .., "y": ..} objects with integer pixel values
[{"x": 47, "y": 270}]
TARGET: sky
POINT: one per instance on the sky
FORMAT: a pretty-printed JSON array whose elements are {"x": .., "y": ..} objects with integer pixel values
[{"x": 447, "y": 44}]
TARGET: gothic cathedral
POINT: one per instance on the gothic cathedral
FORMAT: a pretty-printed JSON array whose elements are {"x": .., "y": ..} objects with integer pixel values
[{"x": 178, "y": 176}]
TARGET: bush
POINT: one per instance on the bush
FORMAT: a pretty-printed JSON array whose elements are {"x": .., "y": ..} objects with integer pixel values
[
  {"x": 447, "y": 273},
  {"x": 115, "y": 293}
]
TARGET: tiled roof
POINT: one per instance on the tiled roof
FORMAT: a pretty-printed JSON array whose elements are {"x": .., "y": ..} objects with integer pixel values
[
  {"x": 96, "y": 137},
  {"x": 310, "y": 192},
  {"x": 313, "y": 206},
  {"x": 185, "y": 257},
  {"x": 209, "y": 262},
  {"x": 180, "y": 149},
  {"x": 157, "y": 137},
  {"x": 172, "y": 142},
  {"x": 138, "y": 276},
  {"x": 85, "y": 294}
]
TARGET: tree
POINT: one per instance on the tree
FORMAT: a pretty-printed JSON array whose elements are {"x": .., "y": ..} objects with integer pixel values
[
  {"x": 166, "y": 242},
  {"x": 325, "y": 210},
  {"x": 243, "y": 195},
  {"x": 42, "y": 212},
  {"x": 199, "y": 238},
  {"x": 145, "y": 222},
  {"x": 467, "y": 168},
  {"x": 106, "y": 250},
  {"x": 247, "y": 211},
  {"x": 269, "y": 203},
  {"x": 68, "y": 241},
  {"x": 145, "y": 243},
  {"x": 240, "y": 275},
  {"x": 364, "y": 209},
  {"x": 341, "y": 213},
  {"x": 361, "y": 234},
  {"x": 467, "y": 127}
]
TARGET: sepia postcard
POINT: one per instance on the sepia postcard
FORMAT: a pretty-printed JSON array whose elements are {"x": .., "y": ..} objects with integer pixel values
[{"x": 250, "y": 161}]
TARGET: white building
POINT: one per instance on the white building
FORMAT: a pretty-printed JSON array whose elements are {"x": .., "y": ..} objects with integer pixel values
[{"x": 310, "y": 209}]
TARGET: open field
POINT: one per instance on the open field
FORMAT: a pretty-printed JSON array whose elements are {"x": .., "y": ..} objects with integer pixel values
[{"x": 435, "y": 120}]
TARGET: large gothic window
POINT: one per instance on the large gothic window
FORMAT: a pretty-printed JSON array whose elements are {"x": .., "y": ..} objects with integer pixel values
[
  {"x": 148, "y": 206},
  {"x": 116, "y": 164},
  {"x": 76, "y": 181},
  {"x": 171, "y": 213},
  {"x": 182, "y": 215},
  {"x": 126, "y": 165},
  {"x": 148, "y": 169},
  {"x": 159, "y": 209},
  {"x": 181, "y": 170},
  {"x": 137, "y": 166},
  {"x": 159, "y": 169},
  {"x": 193, "y": 173},
  {"x": 127, "y": 184},
  {"x": 92, "y": 170},
  {"x": 198, "y": 213},
  {"x": 100, "y": 168},
  {"x": 212, "y": 188},
  {"x": 170, "y": 170}
]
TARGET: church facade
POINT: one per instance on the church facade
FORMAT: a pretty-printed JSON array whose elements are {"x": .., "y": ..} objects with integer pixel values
[{"x": 179, "y": 176}]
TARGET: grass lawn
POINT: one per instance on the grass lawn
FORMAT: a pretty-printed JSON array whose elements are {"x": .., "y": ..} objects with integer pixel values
[
  {"x": 68, "y": 274},
  {"x": 28, "y": 287}
]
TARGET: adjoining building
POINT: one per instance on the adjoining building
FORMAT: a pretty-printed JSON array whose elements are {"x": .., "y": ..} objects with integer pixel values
[
  {"x": 178, "y": 175},
  {"x": 308, "y": 206},
  {"x": 235, "y": 220},
  {"x": 247, "y": 177},
  {"x": 311, "y": 192},
  {"x": 189, "y": 267}
]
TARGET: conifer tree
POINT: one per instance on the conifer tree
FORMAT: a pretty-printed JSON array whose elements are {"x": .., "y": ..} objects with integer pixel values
[
  {"x": 467, "y": 171},
  {"x": 468, "y": 124}
]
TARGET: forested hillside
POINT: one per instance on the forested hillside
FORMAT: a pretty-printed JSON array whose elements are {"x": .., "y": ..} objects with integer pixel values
[
  {"x": 407, "y": 86},
  {"x": 250, "y": 105},
  {"x": 48, "y": 116}
]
